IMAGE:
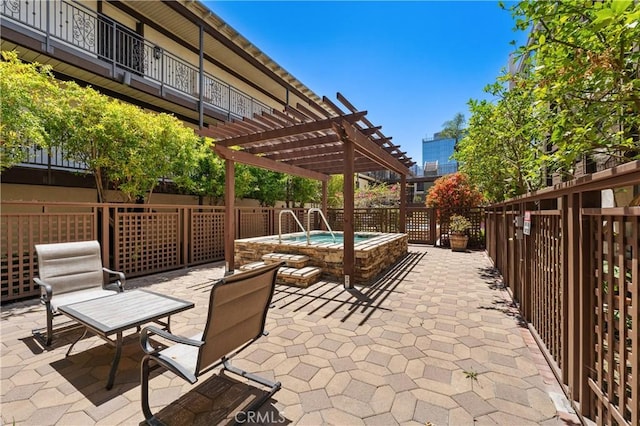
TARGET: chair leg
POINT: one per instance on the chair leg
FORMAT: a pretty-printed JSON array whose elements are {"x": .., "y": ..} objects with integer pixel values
[
  {"x": 144, "y": 388},
  {"x": 273, "y": 386},
  {"x": 49, "y": 324}
]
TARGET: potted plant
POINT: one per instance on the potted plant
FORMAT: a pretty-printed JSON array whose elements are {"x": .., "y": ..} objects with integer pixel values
[{"x": 458, "y": 226}]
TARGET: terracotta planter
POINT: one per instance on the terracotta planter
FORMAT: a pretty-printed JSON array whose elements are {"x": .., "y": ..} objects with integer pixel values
[{"x": 458, "y": 242}]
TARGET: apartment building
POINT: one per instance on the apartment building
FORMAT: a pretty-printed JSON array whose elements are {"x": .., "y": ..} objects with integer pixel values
[{"x": 164, "y": 56}]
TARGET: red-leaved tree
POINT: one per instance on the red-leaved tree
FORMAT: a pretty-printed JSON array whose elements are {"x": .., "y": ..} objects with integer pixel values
[{"x": 452, "y": 193}]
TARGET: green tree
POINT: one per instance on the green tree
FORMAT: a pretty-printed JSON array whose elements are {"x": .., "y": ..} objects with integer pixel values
[
  {"x": 584, "y": 69},
  {"x": 576, "y": 96},
  {"x": 122, "y": 144},
  {"x": 301, "y": 191},
  {"x": 269, "y": 188},
  {"x": 499, "y": 152},
  {"x": 335, "y": 191},
  {"x": 31, "y": 108},
  {"x": 454, "y": 128}
]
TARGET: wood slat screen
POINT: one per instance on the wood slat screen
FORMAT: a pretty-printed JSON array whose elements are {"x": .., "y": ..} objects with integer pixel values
[
  {"x": 576, "y": 279},
  {"x": 616, "y": 274},
  {"x": 254, "y": 222},
  {"x": 546, "y": 283}
]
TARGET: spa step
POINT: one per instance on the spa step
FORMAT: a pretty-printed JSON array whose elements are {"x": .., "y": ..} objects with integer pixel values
[
  {"x": 291, "y": 260},
  {"x": 251, "y": 266},
  {"x": 298, "y": 277}
]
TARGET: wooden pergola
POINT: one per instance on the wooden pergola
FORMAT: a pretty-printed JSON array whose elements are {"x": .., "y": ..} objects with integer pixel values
[{"x": 312, "y": 141}]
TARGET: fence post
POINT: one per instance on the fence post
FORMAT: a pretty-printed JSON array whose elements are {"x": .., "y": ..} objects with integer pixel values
[
  {"x": 586, "y": 284},
  {"x": 568, "y": 245},
  {"x": 186, "y": 235},
  {"x": 525, "y": 303}
]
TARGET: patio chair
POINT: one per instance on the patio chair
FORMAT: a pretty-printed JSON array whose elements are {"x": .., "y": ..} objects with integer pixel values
[
  {"x": 238, "y": 306},
  {"x": 70, "y": 273}
]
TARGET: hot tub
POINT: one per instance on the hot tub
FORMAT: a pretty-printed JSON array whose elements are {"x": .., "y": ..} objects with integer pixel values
[{"x": 374, "y": 251}]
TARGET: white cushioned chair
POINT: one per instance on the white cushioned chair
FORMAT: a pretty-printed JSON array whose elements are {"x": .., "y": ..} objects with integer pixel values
[{"x": 70, "y": 273}]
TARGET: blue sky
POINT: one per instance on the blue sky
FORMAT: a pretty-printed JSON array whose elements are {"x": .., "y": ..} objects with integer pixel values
[{"x": 412, "y": 65}]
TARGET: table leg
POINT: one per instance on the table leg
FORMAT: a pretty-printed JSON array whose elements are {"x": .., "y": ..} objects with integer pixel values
[
  {"x": 76, "y": 341},
  {"x": 116, "y": 360}
]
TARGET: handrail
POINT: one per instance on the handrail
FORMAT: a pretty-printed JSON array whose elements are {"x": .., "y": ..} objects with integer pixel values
[
  {"x": 297, "y": 221},
  {"x": 316, "y": 209}
]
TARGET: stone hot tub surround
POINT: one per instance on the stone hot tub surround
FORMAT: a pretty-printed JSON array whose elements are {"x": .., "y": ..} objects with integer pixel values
[{"x": 372, "y": 255}]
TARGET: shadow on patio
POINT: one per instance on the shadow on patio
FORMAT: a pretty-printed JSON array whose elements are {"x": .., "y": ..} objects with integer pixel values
[{"x": 398, "y": 351}]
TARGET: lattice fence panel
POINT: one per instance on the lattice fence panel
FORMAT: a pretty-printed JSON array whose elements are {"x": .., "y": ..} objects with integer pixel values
[
  {"x": 419, "y": 222},
  {"x": 614, "y": 379},
  {"x": 21, "y": 232},
  {"x": 546, "y": 283},
  {"x": 147, "y": 242},
  {"x": 369, "y": 220},
  {"x": 207, "y": 236},
  {"x": 335, "y": 217},
  {"x": 392, "y": 223}
]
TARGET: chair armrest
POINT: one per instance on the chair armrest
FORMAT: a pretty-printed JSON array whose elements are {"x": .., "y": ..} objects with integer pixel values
[
  {"x": 48, "y": 291},
  {"x": 121, "y": 278},
  {"x": 149, "y": 349}
]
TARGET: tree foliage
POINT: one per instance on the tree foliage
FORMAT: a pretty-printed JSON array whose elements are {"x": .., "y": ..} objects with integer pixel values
[
  {"x": 126, "y": 146},
  {"x": 207, "y": 178},
  {"x": 25, "y": 121},
  {"x": 121, "y": 144},
  {"x": 576, "y": 95},
  {"x": 302, "y": 191},
  {"x": 452, "y": 193},
  {"x": 379, "y": 195},
  {"x": 269, "y": 187},
  {"x": 584, "y": 70},
  {"x": 335, "y": 194},
  {"x": 499, "y": 151},
  {"x": 454, "y": 128}
]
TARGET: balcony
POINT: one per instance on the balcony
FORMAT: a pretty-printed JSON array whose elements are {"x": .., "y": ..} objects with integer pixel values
[{"x": 126, "y": 53}]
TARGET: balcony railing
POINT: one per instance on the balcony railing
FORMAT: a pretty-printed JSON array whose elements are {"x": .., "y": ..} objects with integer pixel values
[{"x": 86, "y": 30}]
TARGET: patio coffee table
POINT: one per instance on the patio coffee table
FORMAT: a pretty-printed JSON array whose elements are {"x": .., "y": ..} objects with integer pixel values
[{"x": 110, "y": 315}]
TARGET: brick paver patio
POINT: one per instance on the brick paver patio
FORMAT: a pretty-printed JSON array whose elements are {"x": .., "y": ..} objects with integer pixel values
[{"x": 435, "y": 341}]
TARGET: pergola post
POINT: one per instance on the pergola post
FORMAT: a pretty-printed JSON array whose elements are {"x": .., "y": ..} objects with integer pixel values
[
  {"x": 325, "y": 203},
  {"x": 403, "y": 204},
  {"x": 229, "y": 216},
  {"x": 349, "y": 252}
]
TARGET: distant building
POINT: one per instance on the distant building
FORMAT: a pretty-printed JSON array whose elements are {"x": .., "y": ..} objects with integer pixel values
[{"x": 436, "y": 156}]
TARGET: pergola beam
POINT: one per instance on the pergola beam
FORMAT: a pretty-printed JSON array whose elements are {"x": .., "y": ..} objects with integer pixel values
[
  {"x": 375, "y": 152},
  {"x": 265, "y": 163}
]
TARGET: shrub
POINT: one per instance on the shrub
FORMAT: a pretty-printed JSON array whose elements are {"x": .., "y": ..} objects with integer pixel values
[{"x": 453, "y": 193}]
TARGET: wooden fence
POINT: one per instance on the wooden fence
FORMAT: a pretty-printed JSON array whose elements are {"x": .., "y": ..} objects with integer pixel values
[
  {"x": 146, "y": 239},
  {"x": 573, "y": 268}
]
